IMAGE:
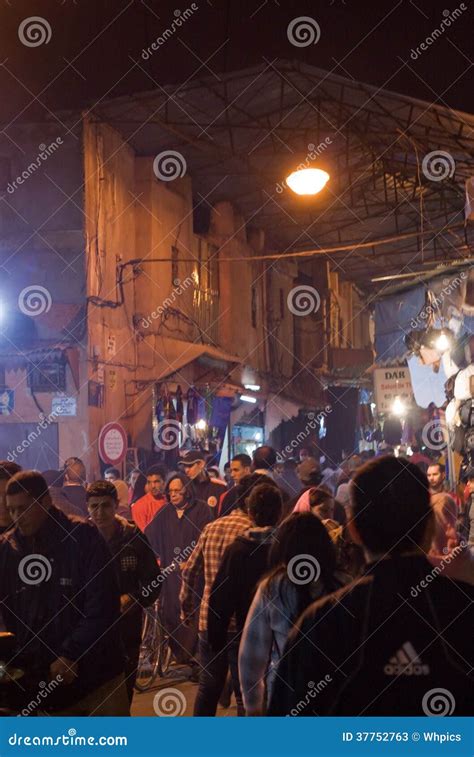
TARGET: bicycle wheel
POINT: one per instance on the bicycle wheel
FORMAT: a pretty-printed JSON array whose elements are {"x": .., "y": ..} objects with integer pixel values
[{"x": 149, "y": 660}]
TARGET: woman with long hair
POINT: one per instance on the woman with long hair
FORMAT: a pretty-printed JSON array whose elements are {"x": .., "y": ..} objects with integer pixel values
[{"x": 302, "y": 564}]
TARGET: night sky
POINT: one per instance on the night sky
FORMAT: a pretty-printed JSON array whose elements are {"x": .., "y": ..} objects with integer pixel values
[{"x": 95, "y": 47}]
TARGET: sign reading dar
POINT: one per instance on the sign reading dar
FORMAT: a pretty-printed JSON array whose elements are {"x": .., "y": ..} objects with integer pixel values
[{"x": 389, "y": 383}]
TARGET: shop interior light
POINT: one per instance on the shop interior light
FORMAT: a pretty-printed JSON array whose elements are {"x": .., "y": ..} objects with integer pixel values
[
  {"x": 398, "y": 406},
  {"x": 443, "y": 341},
  {"x": 252, "y": 387},
  {"x": 307, "y": 181},
  {"x": 201, "y": 425},
  {"x": 247, "y": 398},
  {"x": 258, "y": 437}
]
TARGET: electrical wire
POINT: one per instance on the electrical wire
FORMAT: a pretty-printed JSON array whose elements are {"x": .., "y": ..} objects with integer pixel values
[{"x": 307, "y": 253}]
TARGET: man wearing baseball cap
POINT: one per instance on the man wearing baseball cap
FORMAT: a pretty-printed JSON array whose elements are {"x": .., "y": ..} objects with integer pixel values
[{"x": 204, "y": 487}]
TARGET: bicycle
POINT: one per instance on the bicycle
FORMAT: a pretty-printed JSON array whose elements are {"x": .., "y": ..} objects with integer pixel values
[{"x": 155, "y": 651}]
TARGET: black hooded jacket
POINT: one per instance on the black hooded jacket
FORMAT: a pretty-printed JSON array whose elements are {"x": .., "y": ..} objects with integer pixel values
[
  {"x": 138, "y": 575},
  {"x": 383, "y": 645},
  {"x": 59, "y": 596}
]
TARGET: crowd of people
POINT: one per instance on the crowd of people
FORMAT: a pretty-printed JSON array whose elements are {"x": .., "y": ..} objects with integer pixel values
[{"x": 303, "y": 588}]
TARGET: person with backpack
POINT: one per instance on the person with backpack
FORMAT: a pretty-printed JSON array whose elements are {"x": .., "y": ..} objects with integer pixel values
[
  {"x": 404, "y": 649},
  {"x": 244, "y": 563}
]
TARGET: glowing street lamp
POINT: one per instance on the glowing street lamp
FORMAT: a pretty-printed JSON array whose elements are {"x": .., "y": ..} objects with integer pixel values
[{"x": 307, "y": 181}]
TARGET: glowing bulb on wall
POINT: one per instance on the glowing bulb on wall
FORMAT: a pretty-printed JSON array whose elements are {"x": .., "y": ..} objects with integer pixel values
[{"x": 201, "y": 425}]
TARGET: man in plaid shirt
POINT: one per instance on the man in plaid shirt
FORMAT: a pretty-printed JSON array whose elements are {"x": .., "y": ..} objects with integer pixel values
[{"x": 204, "y": 563}]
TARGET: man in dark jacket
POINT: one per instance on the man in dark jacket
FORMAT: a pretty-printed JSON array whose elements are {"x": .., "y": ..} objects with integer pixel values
[
  {"x": 240, "y": 466},
  {"x": 60, "y": 598},
  {"x": 173, "y": 533},
  {"x": 244, "y": 563},
  {"x": 404, "y": 649},
  {"x": 138, "y": 574},
  {"x": 205, "y": 489}
]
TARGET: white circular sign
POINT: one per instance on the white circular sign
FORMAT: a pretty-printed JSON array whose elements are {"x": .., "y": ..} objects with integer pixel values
[{"x": 112, "y": 443}]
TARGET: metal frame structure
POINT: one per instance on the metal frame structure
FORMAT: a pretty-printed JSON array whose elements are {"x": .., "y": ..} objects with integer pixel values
[{"x": 239, "y": 131}]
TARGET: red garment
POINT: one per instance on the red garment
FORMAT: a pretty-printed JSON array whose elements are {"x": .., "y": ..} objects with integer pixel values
[
  {"x": 419, "y": 457},
  {"x": 145, "y": 509}
]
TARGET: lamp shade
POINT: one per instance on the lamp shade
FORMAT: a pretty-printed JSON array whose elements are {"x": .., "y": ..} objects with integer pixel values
[{"x": 307, "y": 181}]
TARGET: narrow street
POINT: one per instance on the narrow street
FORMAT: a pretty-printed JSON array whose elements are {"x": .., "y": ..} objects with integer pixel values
[{"x": 168, "y": 687}]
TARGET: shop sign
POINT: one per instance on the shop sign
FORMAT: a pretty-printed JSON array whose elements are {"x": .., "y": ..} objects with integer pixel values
[
  {"x": 64, "y": 406},
  {"x": 389, "y": 383}
]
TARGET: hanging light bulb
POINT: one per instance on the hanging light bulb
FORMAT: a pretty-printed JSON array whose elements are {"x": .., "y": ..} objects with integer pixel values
[
  {"x": 307, "y": 181},
  {"x": 443, "y": 342}
]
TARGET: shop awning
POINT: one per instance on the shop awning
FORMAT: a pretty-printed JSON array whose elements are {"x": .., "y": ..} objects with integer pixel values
[
  {"x": 176, "y": 354},
  {"x": 394, "y": 318}
]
